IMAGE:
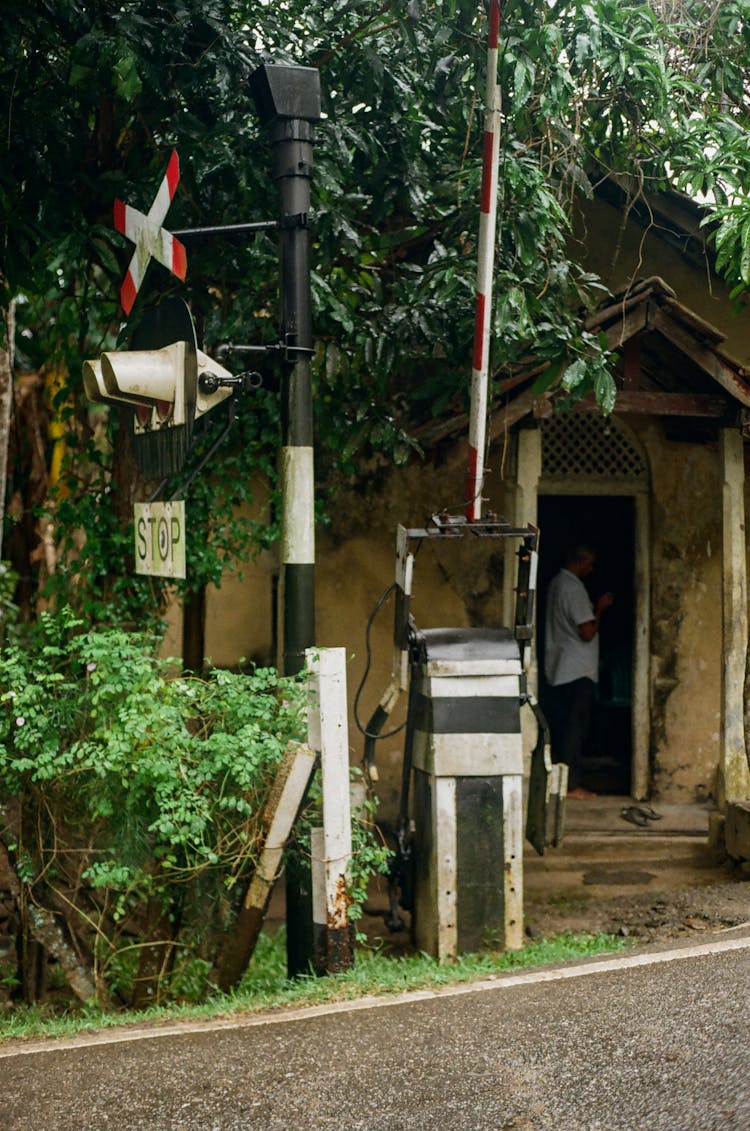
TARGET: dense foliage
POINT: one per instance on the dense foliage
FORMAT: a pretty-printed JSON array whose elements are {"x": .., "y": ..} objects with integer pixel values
[
  {"x": 125, "y": 787},
  {"x": 652, "y": 92},
  {"x": 132, "y": 798}
]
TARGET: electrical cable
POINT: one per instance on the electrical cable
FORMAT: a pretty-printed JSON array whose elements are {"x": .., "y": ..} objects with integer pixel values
[{"x": 368, "y": 652}]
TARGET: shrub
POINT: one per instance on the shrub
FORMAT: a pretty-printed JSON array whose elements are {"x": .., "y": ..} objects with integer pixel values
[{"x": 131, "y": 796}]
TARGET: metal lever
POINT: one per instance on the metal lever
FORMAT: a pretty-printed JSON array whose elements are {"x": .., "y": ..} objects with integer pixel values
[{"x": 246, "y": 382}]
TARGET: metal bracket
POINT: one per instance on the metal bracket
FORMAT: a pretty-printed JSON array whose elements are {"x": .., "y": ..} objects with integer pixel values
[
  {"x": 295, "y": 353},
  {"x": 291, "y": 352},
  {"x": 295, "y": 220},
  {"x": 246, "y": 382},
  {"x": 446, "y": 525}
]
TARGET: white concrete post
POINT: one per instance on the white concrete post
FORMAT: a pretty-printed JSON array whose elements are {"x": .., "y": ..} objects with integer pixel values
[
  {"x": 332, "y": 848},
  {"x": 524, "y": 510},
  {"x": 284, "y": 802},
  {"x": 734, "y": 778},
  {"x": 512, "y": 785},
  {"x": 444, "y": 830}
]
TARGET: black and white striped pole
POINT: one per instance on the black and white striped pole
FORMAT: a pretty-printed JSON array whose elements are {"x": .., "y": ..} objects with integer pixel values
[
  {"x": 288, "y": 103},
  {"x": 287, "y": 99}
]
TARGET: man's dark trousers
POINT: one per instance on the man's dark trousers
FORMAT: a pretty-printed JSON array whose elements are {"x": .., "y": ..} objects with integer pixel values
[{"x": 570, "y": 721}]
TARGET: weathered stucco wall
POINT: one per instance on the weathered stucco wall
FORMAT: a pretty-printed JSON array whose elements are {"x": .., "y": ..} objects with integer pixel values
[
  {"x": 455, "y": 584},
  {"x": 621, "y": 257},
  {"x": 461, "y": 584},
  {"x": 239, "y": 614},
  {"x": 686, "y": 634}
]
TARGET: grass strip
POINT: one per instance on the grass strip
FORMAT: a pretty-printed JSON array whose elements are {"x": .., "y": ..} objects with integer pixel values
[{"x": 266, "y": 986}]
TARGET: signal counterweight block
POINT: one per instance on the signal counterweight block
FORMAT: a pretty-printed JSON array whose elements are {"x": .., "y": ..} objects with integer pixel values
[{"x": 468, "y": 767}]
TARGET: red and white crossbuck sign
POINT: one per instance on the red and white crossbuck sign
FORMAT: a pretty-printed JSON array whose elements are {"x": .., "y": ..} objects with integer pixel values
[{"x": 150, "y": 239}]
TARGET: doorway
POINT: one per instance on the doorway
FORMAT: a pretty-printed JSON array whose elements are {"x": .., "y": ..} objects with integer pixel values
[{"x": 607, "y": 523}]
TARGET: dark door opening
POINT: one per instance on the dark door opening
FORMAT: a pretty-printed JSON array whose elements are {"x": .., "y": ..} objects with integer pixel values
[{"x": 607, "y": 523}]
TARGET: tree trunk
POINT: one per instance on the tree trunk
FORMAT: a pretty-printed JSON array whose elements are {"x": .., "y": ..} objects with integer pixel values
[
  {"x": 157, "y": 953},
  {"x": 6, "y": 399},
  {"x": 194, "y": 630},
  {"x": 43, "y": 933}
]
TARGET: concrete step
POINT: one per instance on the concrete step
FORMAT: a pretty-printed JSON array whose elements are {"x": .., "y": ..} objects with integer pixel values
[
  {"x": 603, "y": 815},
  {"x": 595, "y": 866},
  {"x": 592, "y": 846}
]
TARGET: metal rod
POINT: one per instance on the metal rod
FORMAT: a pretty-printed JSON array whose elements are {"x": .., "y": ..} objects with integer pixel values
[
  {"x": 229, "y": 229},
  {"x": 231, "y": 417},
  {"x": 485, "y": 269},
  {"x": 230, "y": 347}
]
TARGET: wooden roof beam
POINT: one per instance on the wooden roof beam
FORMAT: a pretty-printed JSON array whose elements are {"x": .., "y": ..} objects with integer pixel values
[
  {"x": 704, "y": 358},
  {"x": 699, "y": 406}
]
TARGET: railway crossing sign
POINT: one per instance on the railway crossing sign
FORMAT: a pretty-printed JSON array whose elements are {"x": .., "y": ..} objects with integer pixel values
[{"x": 150, "y": 239}]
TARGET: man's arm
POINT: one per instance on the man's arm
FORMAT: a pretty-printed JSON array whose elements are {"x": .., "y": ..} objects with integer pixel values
[{"x": 588, "y": 630}]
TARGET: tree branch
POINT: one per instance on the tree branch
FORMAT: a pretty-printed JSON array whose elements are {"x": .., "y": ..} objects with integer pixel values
[{"x": 363, "y": 27}]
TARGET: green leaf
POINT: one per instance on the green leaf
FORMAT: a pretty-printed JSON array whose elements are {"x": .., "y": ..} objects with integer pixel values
[
  {"x": 547, "y": 378},
  {"x": 582, "y": 47},
  {"x": 127, "y": 78},
  {"x": 745, "y": 263},
  {"x": 523, "y": 82},
  {"x": 575, "y": 374},
  {"x": 605, "y": 391}
]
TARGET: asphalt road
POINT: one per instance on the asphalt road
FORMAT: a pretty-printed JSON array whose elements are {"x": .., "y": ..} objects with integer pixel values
[{"x": 656, "y": 1041}]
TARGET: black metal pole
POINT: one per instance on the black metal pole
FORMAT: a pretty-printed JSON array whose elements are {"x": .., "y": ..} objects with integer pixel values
[
  {"x": 288, "y": 101},
  {"x": 293, "y": 141}
]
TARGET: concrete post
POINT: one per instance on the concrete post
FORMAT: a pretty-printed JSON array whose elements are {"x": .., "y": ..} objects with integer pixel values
[
  {"x": 734, "y": 777},
  {"x": 332, "y": 846},
  {"x": 525, "y": 509}
]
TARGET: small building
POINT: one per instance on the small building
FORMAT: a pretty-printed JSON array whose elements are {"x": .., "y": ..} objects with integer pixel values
[{"x": 658, "y": 487}]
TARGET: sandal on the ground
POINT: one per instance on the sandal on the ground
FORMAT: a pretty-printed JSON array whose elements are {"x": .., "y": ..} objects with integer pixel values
[
  {"x": 635, "y": 815},
  {"x": 649, "y": 813}
]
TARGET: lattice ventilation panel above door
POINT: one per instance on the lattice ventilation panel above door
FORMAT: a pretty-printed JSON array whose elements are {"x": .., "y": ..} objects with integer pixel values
[{"x": 581, "y": 445}]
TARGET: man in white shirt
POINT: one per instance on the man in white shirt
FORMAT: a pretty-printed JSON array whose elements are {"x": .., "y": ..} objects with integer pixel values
[{"x": 571, "y": 661}]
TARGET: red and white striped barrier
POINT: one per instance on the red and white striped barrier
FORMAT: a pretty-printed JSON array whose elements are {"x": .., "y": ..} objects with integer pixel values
[
  {"x": 150, "y": 239},
  {"x": 485, "y": 269}
]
